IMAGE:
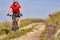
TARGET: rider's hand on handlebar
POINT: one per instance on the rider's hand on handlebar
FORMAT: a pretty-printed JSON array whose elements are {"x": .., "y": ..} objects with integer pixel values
[
  {"x": 8, "y": 14},
  {"x": 21, "y": 14}
]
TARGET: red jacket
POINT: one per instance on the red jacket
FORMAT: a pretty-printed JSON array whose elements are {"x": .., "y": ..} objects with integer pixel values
[{"x": 15, "y": 8}]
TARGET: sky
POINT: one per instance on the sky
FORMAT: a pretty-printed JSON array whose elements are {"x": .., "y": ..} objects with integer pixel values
[{"x": 30, "y": 8}]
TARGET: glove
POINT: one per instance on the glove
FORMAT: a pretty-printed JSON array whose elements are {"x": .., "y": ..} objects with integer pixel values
[
  {"x": 8, "y": 14},
  {"x": 21, "y": 14}
]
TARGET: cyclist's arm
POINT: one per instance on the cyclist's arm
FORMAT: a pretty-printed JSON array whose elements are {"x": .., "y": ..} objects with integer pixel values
[
  {"x": 20, "y": 10},
  {"x": 10, "y": 10}
]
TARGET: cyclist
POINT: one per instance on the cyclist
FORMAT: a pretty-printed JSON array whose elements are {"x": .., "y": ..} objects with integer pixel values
[{"x": 15, "y": 8}]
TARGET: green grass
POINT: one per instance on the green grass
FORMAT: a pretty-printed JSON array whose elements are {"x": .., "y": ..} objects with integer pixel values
[
  {"x": 7, "y": 25},
  {"x": 4, "y": 26},
  {"x": 51, "y": 20},
  {"x": 17, "y": 34},
  {"x": 26, "y": 22}
]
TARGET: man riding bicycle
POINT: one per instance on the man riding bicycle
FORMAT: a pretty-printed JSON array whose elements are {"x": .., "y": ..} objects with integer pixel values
[{"x": 16, "y": 9}]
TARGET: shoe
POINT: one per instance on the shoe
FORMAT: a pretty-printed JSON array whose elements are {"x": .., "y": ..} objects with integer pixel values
[
  {"x": 13, "y": 28},
  {"x": 17, "y": 28}
]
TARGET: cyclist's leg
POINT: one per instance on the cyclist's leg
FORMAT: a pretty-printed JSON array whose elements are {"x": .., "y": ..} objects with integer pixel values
[
  {"x": 18, "y": 18},
  {"x": 18, "y": 21}
]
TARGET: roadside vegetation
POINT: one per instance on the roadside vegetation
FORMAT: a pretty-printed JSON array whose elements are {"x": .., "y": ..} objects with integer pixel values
[{"x": 52, "y": 26}]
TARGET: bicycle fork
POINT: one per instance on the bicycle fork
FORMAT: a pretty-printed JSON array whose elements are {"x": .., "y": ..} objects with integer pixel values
[{"x": 14, "y": 24}]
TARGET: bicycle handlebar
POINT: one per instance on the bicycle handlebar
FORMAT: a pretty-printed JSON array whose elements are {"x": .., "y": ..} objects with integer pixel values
[
  {"x": 14, "y": 15},
  {"x": 9, "y": 15}
]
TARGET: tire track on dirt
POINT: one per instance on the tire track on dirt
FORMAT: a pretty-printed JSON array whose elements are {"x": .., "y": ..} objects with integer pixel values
[{"x": 34, "y": 35}]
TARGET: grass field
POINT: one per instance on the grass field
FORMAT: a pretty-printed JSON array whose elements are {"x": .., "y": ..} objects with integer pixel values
[
  {"x": 52, "y": 20},
  {"x": 6, "y": 27}
]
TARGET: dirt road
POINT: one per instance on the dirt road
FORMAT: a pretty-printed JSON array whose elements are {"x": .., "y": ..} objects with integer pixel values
[{"x": 34, "y": 35}]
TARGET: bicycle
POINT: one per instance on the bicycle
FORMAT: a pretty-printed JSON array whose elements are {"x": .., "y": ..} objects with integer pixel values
[{"x": 15, "y": 24}]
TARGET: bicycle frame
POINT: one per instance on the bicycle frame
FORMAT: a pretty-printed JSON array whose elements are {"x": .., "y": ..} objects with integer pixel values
[{"x": 14, "y": 23}]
